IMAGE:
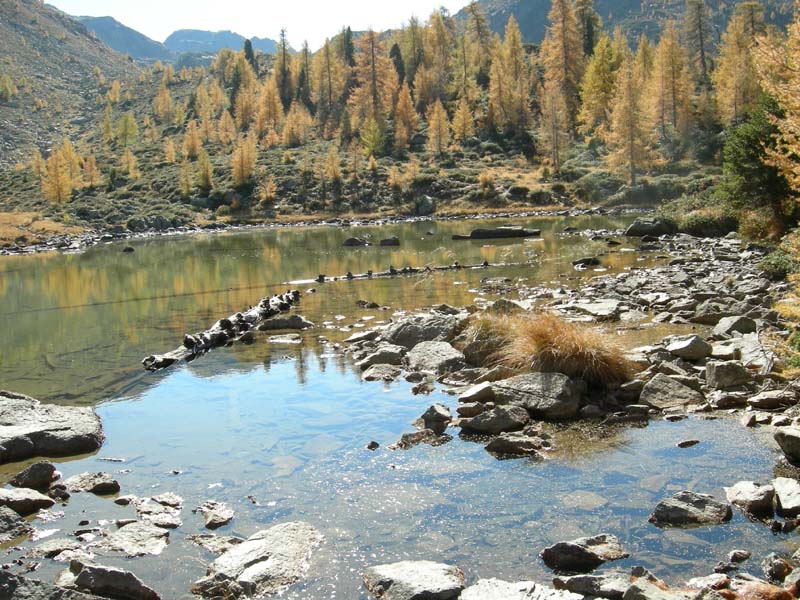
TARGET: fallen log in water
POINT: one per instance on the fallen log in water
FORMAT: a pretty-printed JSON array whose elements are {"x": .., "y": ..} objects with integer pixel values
[
  {"x": 237, "y": 327},
  {"x": 392, "y": 272}
]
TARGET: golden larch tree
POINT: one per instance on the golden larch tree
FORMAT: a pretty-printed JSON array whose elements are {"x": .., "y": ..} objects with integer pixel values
[
  {"x": 405, "y": 119},
  {"x": 243, "y": 160},
  {"x": 510, "y": 82},
  {"x": 735, "y": 78},
  {"x": 162, "y": 105},
  {"x": 554, "y": 125},
  {"x": 329, "y": 76},
  {"x": 463, "y": 121},
  {"x": 376, "y": 80},
  {"x": 669, "y": 87},
  {"x": 57, "y": 184},
  {"x": 438, "y": 129},
  {"x": 191, "y": 140},
  {"x": 597, "y": 88},
  {"x": 169, "y": 151},
  {"x": 91, "y": 174},
  {"x": 562, "y": 55}
]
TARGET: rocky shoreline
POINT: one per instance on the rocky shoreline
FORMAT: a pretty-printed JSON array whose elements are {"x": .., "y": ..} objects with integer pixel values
[
  {"x": 724, "y": 366},
  {"x": 77, "y": 243}
]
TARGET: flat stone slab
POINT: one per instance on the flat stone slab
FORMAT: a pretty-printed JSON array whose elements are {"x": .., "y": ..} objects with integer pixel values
[
  {"x": 611, "y": 584},
  {"x": 135, "y": 539},
  {"x": 24, "y": 501},
  {"x": 29, "y": 428},
  {"x": 689, "y": 347},
  {"x": 689, "y": 508},
  {"x": 787, "y": 496},
  {"x": 583, "y": 554},
  {"x": 216, "y": 544},
  {"x": 414, "y": 580},
  {"x": 496, "y": 589},
  {"x": 266, "y": 563}
]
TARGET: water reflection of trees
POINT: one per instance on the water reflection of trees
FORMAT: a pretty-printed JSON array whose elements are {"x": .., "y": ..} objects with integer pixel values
[{"x": 101, "y": 311}]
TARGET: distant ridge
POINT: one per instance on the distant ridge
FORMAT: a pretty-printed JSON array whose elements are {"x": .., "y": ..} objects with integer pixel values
[
  {"x": 126, "y": 40},
  {"x": 211, "y": 42}
]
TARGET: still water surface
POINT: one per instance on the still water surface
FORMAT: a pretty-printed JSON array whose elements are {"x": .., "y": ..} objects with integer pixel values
[{"x": 279, "y": 432}]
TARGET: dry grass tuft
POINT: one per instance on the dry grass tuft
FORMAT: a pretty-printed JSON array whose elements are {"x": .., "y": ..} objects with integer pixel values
[{"x": 547, "y": 343}]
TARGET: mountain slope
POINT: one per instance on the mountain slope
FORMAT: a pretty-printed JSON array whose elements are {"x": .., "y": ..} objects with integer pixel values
[
  {"x": 126, "y": 40},
  {"x": 51, "y": 58},
  {"x": 634, "y": 16},
  {"x": 211, "y": 42}
]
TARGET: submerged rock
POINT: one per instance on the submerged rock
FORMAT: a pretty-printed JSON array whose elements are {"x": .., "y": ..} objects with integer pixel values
[
  {"x": 496, "y": 589},
  {"x": 515, "y": 444},
  {"x": 498, "y": 420},
  {"x": 583, "y": 554},
  {"x": 29, "y": 428},
  {"x": 216, "y": 544},
  {"x": 414, "y": 580},
  {"x": 549, "y": 396},
  {"x": 689, "y": 508},
  {"x": 265, "y": 563},
  {"x": 381, "y": 373},
  {"x": 12, "y": 525},
  {"x": 162, "y": 511},
  {"x": 135, "y": 539},
  {"x": 216, "y": 514},
  {"x": 286, "y": 322},
  {"x": 52, "y": 548}
]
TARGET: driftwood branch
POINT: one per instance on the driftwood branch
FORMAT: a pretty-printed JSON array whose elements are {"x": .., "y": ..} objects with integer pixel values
[{"x": 238, "y": 327}]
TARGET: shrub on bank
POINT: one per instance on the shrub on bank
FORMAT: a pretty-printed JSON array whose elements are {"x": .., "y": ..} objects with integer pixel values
[{"x": 545, "y": 342}]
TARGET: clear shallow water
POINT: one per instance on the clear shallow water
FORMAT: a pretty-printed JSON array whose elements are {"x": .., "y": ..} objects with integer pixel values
[{"x": 287, "y": 426}]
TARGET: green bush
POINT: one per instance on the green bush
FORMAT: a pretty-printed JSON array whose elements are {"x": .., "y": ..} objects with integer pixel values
[
  {"x": 778, "y": 265},
  {"x": 224, "y": 210}
]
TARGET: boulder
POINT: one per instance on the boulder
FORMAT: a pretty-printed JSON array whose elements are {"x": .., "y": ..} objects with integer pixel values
[
  {"x": 689, "y": 347},
  {"x": 286, "y": 322},
  {"x": 752, "y": 497},
  {"x": 729, "y": 326},
  {"x": 414, "y": 580},
  {"x": 644, "y": 226},
  {"x": 496, "y": 589},
  {"x": 549, "y": 396},
  {"x": 15, "y": 586},
  {"x": 583, "y": 554},
  {"x": 498, "y": 420},
  {"x": 435, "y": 357},
  {"x": 110, "y": 582},
  {"x": 39, "y": 476},
  {"x": 471, "y": 409},
  {"x": 29, "y": 428},
  {"x": 515, "y": 444},
  {"x": 787, "y": 496},
  {"x": 216, "y": 514},
  {"x": 482, "y": 392},
  {"x": 603, "y": 309},
  {"x": 503, "y": 233},
  {"x": 411, "y": 331},
  {"x": 135, "y": 539},
  {"x": 381, "y": 373},
  {"x": 95, "y": 483},
  {"x": 24, "y": 501},
  {"x": 722, "y": 375},
  {"x": 436, "y": 418},
  {"x": 689, "y": 508},
  {"x": 611, "y": 584},
  {"x": 788, "y": 439},
  {"x": 386, "y": 354},
  {"x": 266, "y": 563},
  {"x": 772, "y": 399},
  {"x": 353, "y": 242},
  {"x": 390, "y": 241},
  {"x": 663, "y": 392},
  {"x": 12, "y": 525}
]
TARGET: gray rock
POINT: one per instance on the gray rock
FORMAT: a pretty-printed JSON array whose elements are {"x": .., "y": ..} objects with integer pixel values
[
  {"x": 663, "y": 392},
  {"x": 381, "y": 373},
  {"x": 391, "y": 241},
  {"x": 265, "y": 563},
  {"x": 776, "y": 568},
  {"x": 24, "y": 501},
  {"x": 435, "y": 357},
  {"x": 482, "y": 392},
  {"x": 583, "y": 554},
  {"x": 503, "y": 233},
  {"x": 95, "y": 483},
  {"x": 603, "y": 309},
  {"x": 722, "y": 375},
  {"x": 643, "y": 589},
  {"x": 787, "y": 496},
  {"x": 645, "y": 226},
  {"x": 52, "y": 548},
  {"x": 162, "y": 511},
  {"x": 363, "y": 336},
  {"x": 39, "y": 476},
  {"x": 772, "y": 399},
  {"x": 216, "y": 544},
  {"x": 135, "y": 539},
  {"x": 216, "y": 514},
  {"x": 110, "y": 582},
  {"x": 689, "y": 347},
  {"x": 498, "y": 420},
  {"x": 515, "y": 444},
  {"x": 286, "y": 322},
  {"x": 496, "y": 589},
  {"x": 422, "y": 328},
  {"x": 549, "y": 396},
  {"x": 423, "y": 436},
  {"x": 352, "y": 242},
  {"x": 12, "y": 525},
  {"x": 788, "y": 439},
  {"x": 715, "y": 581},
  {"x": 289, "y": 338},
  {"x": 689, "y": 508},
  {"x": 386, "y": 354},
  {"x": 15, "y": 586},
  {"x": 611, "y": 584},
  {"x": 436, "y": 418},
  {"x": 751, "y": 497},
  {"x": 414, "y": 580},
  {"x": 29, "y": 428},
  {"x": 729, "y": 326},
  {"x": 471, "y": 409}
]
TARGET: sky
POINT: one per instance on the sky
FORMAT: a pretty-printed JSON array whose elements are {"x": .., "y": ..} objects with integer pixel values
[{"x": 311, "y": 20}]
